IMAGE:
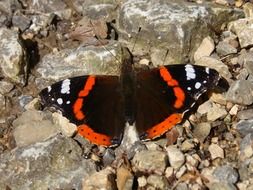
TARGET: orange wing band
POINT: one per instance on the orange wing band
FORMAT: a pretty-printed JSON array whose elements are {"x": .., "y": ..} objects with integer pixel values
[
  {"x": 95, "y": 138},
  {"x": 77, "y": 107},
  {"x": 164, "y": 126},
  {"x": 178, "y": 92}
]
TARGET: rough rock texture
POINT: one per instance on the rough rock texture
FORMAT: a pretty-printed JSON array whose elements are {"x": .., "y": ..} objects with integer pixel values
[
  {"x": 81, "y": 61},
  {"x": 150, "y": 161},
  {"x": 53, "y": 164},
  {"x": 241, "y": 92},
  {"x": 242, "y": 28},
  {"x": 104, "y": 179},
  {"x": 12, "y": 56},
  {"x": 32, "y": 127},
  {"x": 176, "y": 157},
  {"x": 176, "y": 26}
]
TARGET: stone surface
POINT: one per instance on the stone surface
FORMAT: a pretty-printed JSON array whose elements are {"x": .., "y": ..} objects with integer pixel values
[
  {"x": 176, "y": 157},
  {"x": 203, "y": 108},
  {"x": 67, "y": 128},
  {"x": 21, "y": 21},
  {"x": 150, "y": 161},
  {"x": 219, "y": 98},
  {"x": 33, "y": 126},
  {"x": 2, "y": 103},
  {"x": 12, "y": 57},
  {"x": 104, "y": 179},
  {"x": 168, "y": 25},
  {"x": 187, "y": 145},
  {"x": 242, "y": 28},
  {"x": 245, "y": 127},
  {"x": 182, "y": 186},
  {"x": 98, "y": 60},
  {"x": 246, "y": 149},
  {"x": 245, "y": 169},
  {"x": 240, "y": 92},
  {"x": 201, "y": 131},
  {"x": 7, "y": 6},
  {"x": 53, "y": 164},
  {"x": 226, "y": 173},
  {"x": 246, "y": 59},
  {"x": 181, "y": 172},
  {"x": 215, "y": 64},
  {"x": 234, "y": 110},
  {"x": 24, "y": 100},
  {"x": 157, "y": 182},
  {"x": 224, "y": 48},
  {"x": 58, "y": 7},
  {"x": 216, "y": 151},
  {"x": 221, "y": 186},
  {"x": 248, "y": 9},
  {"x": 96, "y": 9},
  {"x": 124, "y": 178},
  {"x": 142, "y": 181},
  {"x": 205, "y": 48},
  {"x": 245, "y": 114},
  {"x": 216, "y": 112},
  {"x": 5, "y": 87}
]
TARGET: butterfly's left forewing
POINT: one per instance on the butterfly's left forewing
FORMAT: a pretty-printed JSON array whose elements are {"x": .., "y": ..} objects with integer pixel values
[{"x": 94, "y": 103}]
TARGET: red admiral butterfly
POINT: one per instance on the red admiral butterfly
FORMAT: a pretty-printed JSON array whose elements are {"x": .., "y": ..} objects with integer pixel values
[{"x": 154, "y": 100}]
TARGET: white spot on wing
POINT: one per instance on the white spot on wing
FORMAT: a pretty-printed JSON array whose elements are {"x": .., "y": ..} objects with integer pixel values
[
  {"x": 190, "y": 72},
  {"x": 189, "y": 88},
  {"x": 49, "y": 88},
  {"x": 207, "y": 70},
  {"x": 197, "y": 85},
  {"x": 65, "y": 86},
  {"x": 204, "y": 82},
  {"x": 59, "y": 101},
  {"x": 68, "y": 102}
]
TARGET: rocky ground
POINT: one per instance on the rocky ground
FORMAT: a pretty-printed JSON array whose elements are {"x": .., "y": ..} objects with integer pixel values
[{"x": 45, "y": 41}]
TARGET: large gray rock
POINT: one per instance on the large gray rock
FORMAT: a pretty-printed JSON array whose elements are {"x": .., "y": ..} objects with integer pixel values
[
  {"x": 245, "y": 127},
  {"x": 12, "y": 56},
  {"x": 226, "y": 174},
  {"x": 96, "y": 9},
  {"x": 99, "y": 60},
  {"x": 35, "y": 126},
  {"x": 32, "y": 127},
  {"x": 243, "y": 29},
  {"x": 58, "y": 7},
  {"x": 53, "y": 164},
  {"x": 176, "y": 26},
  {"x": 240, "y": 92}
]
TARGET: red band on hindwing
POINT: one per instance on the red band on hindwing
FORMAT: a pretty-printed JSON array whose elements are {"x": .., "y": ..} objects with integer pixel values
[
  {"x": 164, "y": 126},
  {"x": 96, "y": 138},
  {"x": 173, "y": 119}
]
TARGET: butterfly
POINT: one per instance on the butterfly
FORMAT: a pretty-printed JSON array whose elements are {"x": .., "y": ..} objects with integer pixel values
[{"x": 152, "y": 100}]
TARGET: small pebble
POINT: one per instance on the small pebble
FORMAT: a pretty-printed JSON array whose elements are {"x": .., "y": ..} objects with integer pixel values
[
  {"x": 216, "y": 151},
  {"x": 176, "y": 157}
]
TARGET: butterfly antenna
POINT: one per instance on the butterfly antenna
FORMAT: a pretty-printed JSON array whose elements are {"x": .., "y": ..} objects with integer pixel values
[
  {"x": 138, "y": 33},
  {"x": 166, "y": 54},
  {"x": 102, "y": 44}
]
